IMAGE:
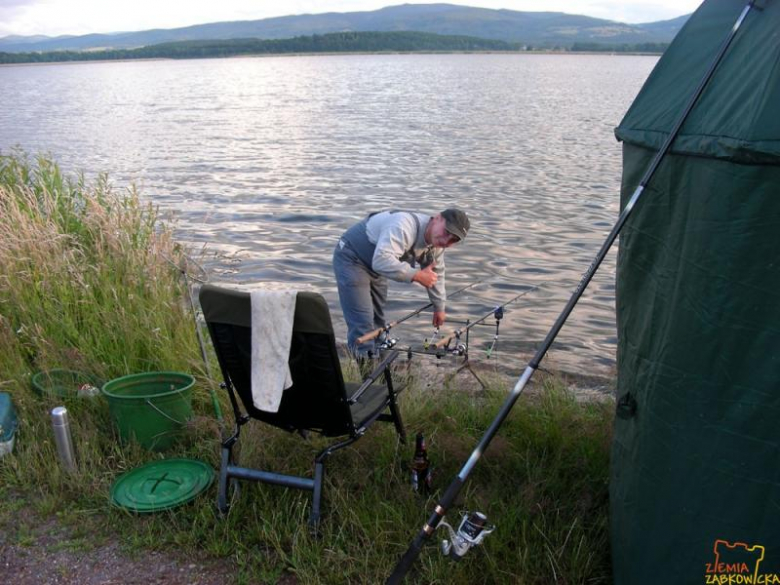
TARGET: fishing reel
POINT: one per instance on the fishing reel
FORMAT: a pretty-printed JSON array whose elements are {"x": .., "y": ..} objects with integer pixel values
[
  {"x": 459, "y": 349},
  {"x": 386, "y": 342},
  {"x": 471, "y": 532}
]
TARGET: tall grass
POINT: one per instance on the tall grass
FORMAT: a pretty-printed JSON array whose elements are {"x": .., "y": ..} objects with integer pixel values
[
  {"x": 86, "y": 275},
  {"x": 88, "y": 280}
]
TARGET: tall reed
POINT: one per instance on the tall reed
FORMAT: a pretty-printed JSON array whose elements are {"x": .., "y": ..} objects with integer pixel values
[{"x": 88, "y": 277}]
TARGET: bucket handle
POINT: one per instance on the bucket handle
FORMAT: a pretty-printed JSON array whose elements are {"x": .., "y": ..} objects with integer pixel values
[{"x": 169, "y": 417}]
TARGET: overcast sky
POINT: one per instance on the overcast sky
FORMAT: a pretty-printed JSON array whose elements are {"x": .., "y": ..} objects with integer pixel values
[{"x": 58, "y": 17}]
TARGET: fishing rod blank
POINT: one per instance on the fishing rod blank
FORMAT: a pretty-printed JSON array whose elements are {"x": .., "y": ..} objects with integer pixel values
[
  {"x": 182, "y": 268},
  {"x": 405, "y": 562},
  {"x": 214, "y": 399},
  {"x": 377, "y": 332}
]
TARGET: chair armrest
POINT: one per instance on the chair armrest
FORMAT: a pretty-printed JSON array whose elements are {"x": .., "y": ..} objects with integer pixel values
[{"x": 374, "y": 375}]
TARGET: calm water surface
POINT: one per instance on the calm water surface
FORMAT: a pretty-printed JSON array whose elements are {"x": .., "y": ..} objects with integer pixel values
[{"x": 268, "y": 160}]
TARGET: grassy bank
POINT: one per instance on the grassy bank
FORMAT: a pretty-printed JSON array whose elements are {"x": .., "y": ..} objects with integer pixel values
[{"x": 88, "y": 281}]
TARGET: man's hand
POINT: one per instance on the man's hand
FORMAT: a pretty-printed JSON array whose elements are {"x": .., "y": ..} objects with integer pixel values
[
  {"x": 426, "y": 277},
  {"x": 438, "y": 318}
]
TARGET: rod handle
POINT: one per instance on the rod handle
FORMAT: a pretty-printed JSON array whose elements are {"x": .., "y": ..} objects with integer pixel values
[
  {"x": 405, "y": 562},
  {"x": 444, "y": 341},
  {"x": 370, "y": 335}
]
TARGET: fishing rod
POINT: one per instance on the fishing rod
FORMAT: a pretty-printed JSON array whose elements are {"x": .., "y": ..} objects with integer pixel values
[
  {"x": 498, "y": 312},
  {"x": 182, "y": 268},
  {"x": 377, "y": 332},
  {"x": 473, "y": 528}
]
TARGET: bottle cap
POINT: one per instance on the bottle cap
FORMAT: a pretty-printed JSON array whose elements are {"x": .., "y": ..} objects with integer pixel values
[{"x": 59, "y": 416}]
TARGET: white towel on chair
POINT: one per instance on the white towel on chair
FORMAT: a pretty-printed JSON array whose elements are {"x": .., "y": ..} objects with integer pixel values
[{"x": 272, "y": 324}]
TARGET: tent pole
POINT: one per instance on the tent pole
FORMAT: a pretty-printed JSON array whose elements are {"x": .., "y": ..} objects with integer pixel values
[{"x": 405, "y": 562}]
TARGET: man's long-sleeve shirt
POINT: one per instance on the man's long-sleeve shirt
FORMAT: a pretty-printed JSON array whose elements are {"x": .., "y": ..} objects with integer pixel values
[{"x": 400, "y": 244}]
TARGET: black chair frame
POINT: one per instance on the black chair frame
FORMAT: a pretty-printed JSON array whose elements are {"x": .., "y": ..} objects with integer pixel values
[
  {"x": 340, "y": 412},
  {"x": 229, "y": 471}
]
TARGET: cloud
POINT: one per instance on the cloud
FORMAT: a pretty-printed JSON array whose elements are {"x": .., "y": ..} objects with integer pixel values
[
  {"x": 642, "y": 11},
  {"x": 9, "y": 4},
  {"x": 58, "y": 17},
  {"x": 15, "y": 16}
]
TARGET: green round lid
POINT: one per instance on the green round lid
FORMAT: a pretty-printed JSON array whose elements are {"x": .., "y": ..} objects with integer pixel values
[{"x": 161, "y": 485}]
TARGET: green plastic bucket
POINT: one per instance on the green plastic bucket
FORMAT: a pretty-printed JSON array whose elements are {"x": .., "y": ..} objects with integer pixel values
[{"x": 150, "y": 408}]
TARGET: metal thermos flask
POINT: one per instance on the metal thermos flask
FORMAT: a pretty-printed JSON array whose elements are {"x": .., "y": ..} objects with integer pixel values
[{"x": 62, "y": 437}]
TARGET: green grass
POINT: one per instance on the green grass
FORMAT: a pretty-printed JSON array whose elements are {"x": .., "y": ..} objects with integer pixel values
[{"x": 87, "y": 280}]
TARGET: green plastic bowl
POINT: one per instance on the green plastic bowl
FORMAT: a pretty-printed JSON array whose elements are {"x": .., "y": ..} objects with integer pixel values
[{"x": 65, "y": 383}]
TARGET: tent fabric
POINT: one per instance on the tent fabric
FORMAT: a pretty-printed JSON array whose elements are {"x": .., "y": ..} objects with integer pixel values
[
  {"x": 737, "y": 117},
  {"x": 695, "y": 469}
]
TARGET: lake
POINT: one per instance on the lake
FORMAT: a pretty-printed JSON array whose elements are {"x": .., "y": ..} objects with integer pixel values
[{"x": 266, "y": 161}]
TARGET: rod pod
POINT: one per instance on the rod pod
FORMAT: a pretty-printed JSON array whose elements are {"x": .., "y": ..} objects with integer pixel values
[
  {"x": 444, "y": 341},
  {"x": 405, "y": 562}
]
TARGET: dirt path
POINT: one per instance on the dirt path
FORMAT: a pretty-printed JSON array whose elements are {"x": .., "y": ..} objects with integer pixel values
[{"x": 41, "y": 551}]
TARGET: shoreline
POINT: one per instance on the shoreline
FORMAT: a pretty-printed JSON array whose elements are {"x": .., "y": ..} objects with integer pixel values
[
  {"x": 450, "y": 373},
  {"x": 337, "y": 53}
]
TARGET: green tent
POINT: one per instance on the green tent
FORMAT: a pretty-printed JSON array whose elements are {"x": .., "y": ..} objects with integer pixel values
[{"x": 695, "y": 479}]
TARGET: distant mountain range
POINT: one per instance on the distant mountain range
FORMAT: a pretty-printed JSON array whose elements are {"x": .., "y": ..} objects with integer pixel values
[{"x": 538, "y": 29}]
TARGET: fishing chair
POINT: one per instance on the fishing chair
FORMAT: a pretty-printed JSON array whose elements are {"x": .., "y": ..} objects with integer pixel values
[{"x": 319, "y": 400}]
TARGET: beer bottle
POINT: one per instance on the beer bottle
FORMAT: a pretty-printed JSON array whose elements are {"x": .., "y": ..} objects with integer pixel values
[{"x": 421, "y": 467}]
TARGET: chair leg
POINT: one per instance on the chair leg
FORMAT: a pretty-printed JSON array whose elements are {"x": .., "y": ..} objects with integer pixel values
[
  {"x": 319, "y": 474},
  {"x": 394, "y": 411},
  {"x": 314, "y": 517},
  {"x": 223, "y": 506},
  {"x": 399, "y": 425}
]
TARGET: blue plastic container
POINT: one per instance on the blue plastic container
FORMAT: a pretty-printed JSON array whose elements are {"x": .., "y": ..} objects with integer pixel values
[{"x": 8, "y": 424}]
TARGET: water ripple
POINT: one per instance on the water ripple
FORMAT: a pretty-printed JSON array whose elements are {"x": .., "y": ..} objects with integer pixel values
[{"x": 268, "y": 160}]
